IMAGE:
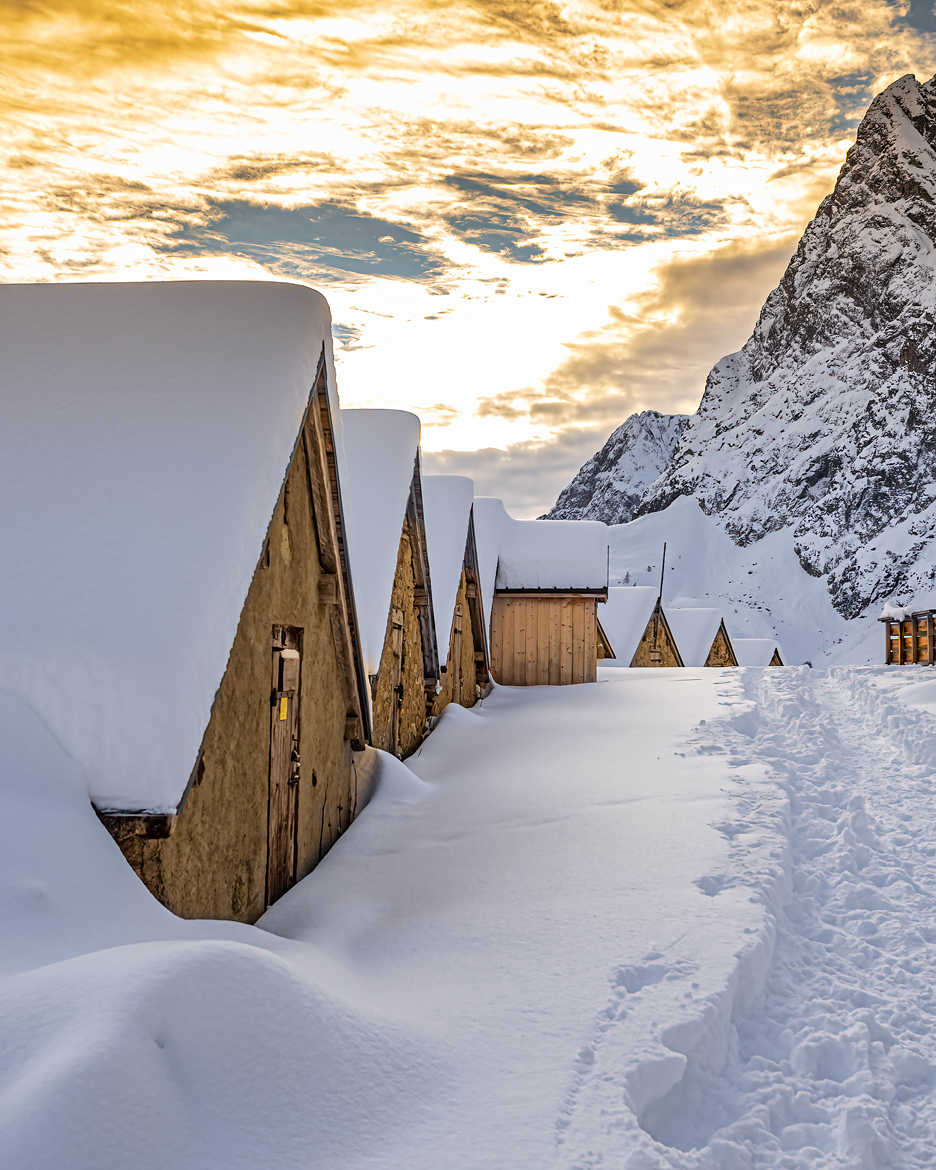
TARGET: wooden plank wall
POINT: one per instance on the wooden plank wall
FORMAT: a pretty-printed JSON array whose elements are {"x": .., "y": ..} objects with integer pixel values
[
  {"x": 544, "y": 640},
  {"x": 911, "y": 641}
]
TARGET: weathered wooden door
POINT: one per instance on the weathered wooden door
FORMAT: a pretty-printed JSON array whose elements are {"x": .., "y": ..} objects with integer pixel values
[
  {"x": 283, "y": 813},
  {"x": 456, "y": 653},
  {"x": 396, "y": 678}
]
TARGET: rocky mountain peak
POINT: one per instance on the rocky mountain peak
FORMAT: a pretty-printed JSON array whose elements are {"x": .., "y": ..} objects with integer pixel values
[
  {"x": 825, "y": 421},
  {"x": 612, "y": 483}
]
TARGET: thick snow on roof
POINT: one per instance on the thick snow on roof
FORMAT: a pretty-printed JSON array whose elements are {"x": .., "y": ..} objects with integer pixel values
[
  {"x": 145, "y": 430},
  {"x": 624, "y": 619},
  {"x": 754, "y": 651},
  {"x": 447, "y": 508},
  {"x": 491, "y": 520},
  {"x": 381, "y": 447},
  {"x": 694, "y": 630},
  {"x": 553, "y": 554},
  {"x": 894, "y": 611}
]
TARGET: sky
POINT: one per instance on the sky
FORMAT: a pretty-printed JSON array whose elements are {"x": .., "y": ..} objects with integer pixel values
[{"x": 530, "y": 219}]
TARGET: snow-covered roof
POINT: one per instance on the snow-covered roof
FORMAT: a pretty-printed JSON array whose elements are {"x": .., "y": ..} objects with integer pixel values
[
  {"x": 447, "y": 509},
  {"x": 381, "y": 447},
  {"x": 145, "y": 430},
  {"x": 624, "y": 619},
  {"x": 491, "y": 519},
  {"x": 694, "y": 630},
  {"x": 894, "y": 611},
  {"x": 755, "y": 651},
  {"x": 553, "y": 554}
]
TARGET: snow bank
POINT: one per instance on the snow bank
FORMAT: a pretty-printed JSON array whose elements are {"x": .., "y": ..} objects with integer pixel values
[
  {"x": 381, "y": 449},
  {"x": 755, "y": 651},
  {"x": 447, "y": 507},
  {"x": 129, "y": 1037},
  {"x": 145, "y": 430},
  {"x": 624, "y": 619},
  {"x": 694, "y": 630}
]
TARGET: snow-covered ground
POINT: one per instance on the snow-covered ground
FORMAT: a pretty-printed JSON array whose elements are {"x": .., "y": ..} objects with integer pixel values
[{"x": 674, "y": 919}]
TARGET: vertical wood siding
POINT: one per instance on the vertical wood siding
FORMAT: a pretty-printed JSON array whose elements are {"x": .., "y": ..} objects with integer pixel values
[{"x": 544, "y": 640}]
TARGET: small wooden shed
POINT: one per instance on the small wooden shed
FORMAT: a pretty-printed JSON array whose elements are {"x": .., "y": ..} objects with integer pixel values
[
  {"x": 456, "y": 590},
  {"x": 549, "y": 578},
  {"x": 390, "y": 555},
  {"x": 639, "y": 628},
  {"x": 757, "y": 652},
  {"x": 909, "y": 633},
  {"x": 701, "y": 636},
  {"x": 199, "y": 659}
]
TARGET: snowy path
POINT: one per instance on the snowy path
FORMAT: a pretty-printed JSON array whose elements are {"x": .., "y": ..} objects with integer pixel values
[
  {"x": 833, "y": 1064},
  {"x": 679, "y": 920}
]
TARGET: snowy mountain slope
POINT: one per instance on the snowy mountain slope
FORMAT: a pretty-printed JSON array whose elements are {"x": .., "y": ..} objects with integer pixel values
[
  {"x": 612, "y": 484},
  {"x": 760, "y": 588},
  {"x": 824, "y": 424}
]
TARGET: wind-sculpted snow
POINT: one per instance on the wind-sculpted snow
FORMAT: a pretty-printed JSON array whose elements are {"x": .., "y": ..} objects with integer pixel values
[{"x": 825, "y": 422}]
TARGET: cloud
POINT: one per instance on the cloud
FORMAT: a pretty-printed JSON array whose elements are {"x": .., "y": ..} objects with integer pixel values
[
  {"x": 325, "y": 241},
  {"x": 654, "y": 357}
]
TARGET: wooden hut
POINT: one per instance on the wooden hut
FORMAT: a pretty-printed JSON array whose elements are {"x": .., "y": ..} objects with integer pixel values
[
  {"x": 757, "y": 652},
  {"x": 549, "y": 577},
  {"x": 639, "y": 628},
  {"x": 456, "y": 592},
  {"x": 199, "y": 659},
  {"x": 701, "y": 636},
  {"x": 391, "y": 571},
  {"x": 909, "y": 633}
]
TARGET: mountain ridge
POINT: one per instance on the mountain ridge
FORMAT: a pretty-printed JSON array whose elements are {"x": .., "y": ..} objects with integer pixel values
[{"x": 825, "y": 420}]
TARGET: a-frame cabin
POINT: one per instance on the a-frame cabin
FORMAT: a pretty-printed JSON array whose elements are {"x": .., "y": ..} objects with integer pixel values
[
  {"x": 702, "y": 637},
  {"x": 757, "y": 652},
  {"x": 391, "y": 573},
  {"x": 456, "y": 591},
  {"x": 639, "y": 628},
  {"x": 199, "y": 659}
]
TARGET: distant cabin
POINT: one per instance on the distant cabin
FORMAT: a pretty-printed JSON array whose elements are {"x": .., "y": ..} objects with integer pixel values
[
  {"x": 391, "y": 573},
  {"x": 909, "y": 634},
  {"x": 456, "y": 590},
  {"x": 757, "y": 652},
  {"x": 639, "y": 628},
  {"x": 549, "y": 576},
  {"x": 701, "y": 636},
  {"x": 198, "y": 658}
]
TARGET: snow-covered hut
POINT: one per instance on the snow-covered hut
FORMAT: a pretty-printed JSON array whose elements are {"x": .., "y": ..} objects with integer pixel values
[
  {"x": 456, "y": 592},
  {"x": 701, "y": 636},
  {"x": 757, "y": 652},
  {"x": 198, "y": 659},
  {"x": 909, "y": 632},
  {"x": 390, "y": 556},
  {"x": 542, "y": 581},
  {"x": 639, "y": 629}
]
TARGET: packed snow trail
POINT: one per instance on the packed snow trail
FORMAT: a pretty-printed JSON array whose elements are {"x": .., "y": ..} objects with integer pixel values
[
  {"x": 677, "y": 920},
  {"x": 833, "y": 1064}
]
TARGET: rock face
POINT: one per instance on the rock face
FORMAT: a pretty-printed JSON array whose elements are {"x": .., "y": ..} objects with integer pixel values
[
  {"x": 825, "y": 422},
  {"x": 613, "y": 483}
]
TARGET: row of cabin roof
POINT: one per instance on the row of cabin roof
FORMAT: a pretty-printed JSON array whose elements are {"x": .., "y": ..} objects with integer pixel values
[
  {"x": 644, "y": 632},
  {"x": 220, "y": 586}
]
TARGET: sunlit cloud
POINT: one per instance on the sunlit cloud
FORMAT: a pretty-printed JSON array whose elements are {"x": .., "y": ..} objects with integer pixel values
[{"x": 529, "y": 219}]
